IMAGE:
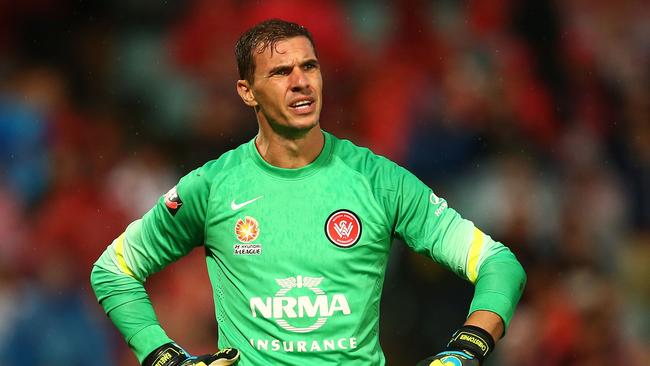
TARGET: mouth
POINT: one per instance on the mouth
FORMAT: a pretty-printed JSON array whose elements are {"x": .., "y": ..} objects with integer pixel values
[{"x": 303, "y": 105}]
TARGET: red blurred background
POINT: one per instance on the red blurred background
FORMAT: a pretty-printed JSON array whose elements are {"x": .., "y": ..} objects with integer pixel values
[{"x": 529, "y": 117}]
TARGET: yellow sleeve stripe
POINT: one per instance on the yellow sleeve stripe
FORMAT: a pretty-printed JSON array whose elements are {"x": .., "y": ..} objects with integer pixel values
[
  {"x": 119, "y": 251},
  {"x": 474, "y": 254}
]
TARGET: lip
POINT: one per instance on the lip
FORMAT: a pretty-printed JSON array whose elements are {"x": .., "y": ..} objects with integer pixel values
[{"x": 303, "y": 109}]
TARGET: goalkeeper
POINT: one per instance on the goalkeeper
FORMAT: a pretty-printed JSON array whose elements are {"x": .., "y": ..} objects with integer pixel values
[{"x": 297, "y": 226}]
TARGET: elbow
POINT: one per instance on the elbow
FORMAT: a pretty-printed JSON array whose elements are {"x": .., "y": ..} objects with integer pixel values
[
  {"x": 521, "y": 276},
  {"x": 100, "y": 281},
  {"x": 94, "y": 278},
  {"x": 515, "y": 271},
  {"x": 505, "y": 268}
]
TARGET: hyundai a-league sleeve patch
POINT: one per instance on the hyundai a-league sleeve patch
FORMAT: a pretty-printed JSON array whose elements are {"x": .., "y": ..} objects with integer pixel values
[
  {"x": 343, "y": 228},
  {"x": 173, "y": 201}
]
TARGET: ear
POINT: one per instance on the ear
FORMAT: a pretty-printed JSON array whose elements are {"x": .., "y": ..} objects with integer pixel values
[{"x": 246, "y": 93}]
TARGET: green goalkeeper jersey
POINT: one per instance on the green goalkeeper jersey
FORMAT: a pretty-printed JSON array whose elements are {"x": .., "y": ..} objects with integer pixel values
[{"x": 297, "y": 257}]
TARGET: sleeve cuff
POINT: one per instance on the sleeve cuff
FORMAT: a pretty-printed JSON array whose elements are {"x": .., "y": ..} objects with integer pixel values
[
  {"x": 496, "y": 303},
  {"x": 147, "y": 340}
]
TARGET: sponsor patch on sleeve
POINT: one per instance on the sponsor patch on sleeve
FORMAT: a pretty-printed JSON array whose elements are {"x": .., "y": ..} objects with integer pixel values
[{"x": 173, "y": 201}]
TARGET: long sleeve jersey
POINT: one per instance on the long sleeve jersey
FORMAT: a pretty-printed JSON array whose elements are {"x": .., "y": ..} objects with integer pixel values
[{"x": 297, "y": 257}]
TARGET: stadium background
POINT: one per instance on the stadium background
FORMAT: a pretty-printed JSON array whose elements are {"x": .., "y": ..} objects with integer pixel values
[{"x": 529, "y": 117}]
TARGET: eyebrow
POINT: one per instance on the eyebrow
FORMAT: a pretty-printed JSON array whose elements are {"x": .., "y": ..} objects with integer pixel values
[{"x": 278, "y": 68}]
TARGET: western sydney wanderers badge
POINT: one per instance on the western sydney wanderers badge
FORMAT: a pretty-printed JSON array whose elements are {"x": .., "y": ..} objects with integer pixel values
[{"x": 343, "y": 228}]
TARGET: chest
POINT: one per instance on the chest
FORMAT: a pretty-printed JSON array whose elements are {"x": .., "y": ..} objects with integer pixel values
[{"x": 325, "y": 222}]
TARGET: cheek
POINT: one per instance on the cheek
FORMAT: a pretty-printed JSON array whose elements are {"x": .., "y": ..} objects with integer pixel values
[
  {"x": 275, "y": 95},
  {"x": 270, "y": 99},
  {"x": 318, "y": 85},
  {"x": 272, "y": 105}
]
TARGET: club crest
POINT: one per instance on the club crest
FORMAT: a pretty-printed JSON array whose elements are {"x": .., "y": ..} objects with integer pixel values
[{"x": 343, "y": 228}]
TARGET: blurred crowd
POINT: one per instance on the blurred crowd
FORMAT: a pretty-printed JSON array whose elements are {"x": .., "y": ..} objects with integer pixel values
[{"x": 531, "y": 118}]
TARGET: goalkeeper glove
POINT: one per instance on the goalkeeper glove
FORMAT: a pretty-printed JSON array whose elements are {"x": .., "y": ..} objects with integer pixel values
[
  {"x": 171, "y": 354},
  {"x": 469, "y": 346}
]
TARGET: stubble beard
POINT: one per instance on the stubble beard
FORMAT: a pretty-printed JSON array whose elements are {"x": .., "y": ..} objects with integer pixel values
[{"x": 292, "y": 132}]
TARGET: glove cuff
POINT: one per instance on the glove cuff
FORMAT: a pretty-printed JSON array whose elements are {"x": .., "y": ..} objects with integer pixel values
[
  {"x": 169, "y": 354},
  {"x": 472, "y": 339}
]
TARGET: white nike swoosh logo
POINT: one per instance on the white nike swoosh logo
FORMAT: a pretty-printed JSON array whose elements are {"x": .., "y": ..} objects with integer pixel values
[{"x": 237, "y": 206}]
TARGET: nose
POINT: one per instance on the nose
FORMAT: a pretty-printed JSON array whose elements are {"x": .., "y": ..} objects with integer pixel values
[{"x": 298, "y": 80}]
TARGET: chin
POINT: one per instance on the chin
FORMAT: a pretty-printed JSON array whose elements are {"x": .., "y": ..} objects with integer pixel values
[
  {"x": 296, "y": 128},
  {"x": 306, "y": 124}
]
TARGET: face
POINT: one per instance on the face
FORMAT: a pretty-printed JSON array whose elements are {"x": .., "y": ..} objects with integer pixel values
[{"x": 287, "y": 87}]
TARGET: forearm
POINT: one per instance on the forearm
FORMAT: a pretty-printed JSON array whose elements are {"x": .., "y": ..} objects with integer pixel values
[
  {"x": 500, "y": 283},
  {"x": 127, "y": 304},
  {"x": 487, "y": 320}
]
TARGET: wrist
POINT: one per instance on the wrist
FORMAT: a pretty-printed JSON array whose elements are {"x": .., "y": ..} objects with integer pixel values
[
  {"x": 473, "y": 340},
  {"x": 148, "y": 339},
  {"x": 169, "y": 354}
]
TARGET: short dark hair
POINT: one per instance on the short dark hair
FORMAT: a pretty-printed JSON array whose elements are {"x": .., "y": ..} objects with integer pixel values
[{"x": 262, "y": 36}]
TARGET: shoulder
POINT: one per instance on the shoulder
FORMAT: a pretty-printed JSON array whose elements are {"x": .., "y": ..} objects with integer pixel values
[
  {"x": 359, "y": 158},
  {"x": 376, "y": 168},
  {"x": 228, "y": 161},
  {"x": 204, "y": 176}
]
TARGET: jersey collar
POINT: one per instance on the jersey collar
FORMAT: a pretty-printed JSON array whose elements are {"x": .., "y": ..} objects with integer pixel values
[{"x": 297, "y": 173}]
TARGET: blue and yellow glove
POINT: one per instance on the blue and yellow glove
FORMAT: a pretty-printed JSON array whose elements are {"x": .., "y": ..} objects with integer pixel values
[
  {"x": 469, "y": 346},
  {"x": 171, "y": 354}
]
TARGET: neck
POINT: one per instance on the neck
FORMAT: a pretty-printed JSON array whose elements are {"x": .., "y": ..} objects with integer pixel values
[{"x": 290, "y": 152}]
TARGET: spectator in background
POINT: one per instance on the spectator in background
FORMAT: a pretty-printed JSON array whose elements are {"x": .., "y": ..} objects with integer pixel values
[
  {"x": 27, "y": 102},
  {"x": 53, "y": 323}
]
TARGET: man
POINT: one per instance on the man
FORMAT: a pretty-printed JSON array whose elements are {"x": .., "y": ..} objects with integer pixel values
[{"x": 297, "y": 225}]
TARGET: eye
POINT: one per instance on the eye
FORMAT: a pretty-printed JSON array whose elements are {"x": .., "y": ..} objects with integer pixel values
[
  {"x": 283, "y": 71},
  {"x": 310, "y": 66}
]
